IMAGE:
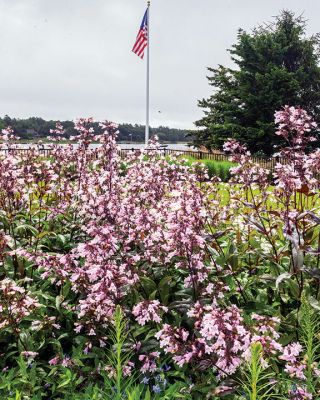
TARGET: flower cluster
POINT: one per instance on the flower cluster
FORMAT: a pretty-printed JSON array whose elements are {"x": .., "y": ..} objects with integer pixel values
[
  {"x": 15, "y": 304},
  {"x": 247, "y": 171},
  {"x": 299, "y": 393},
  {"x": 293, "y": 124},
  {"x": 265, "y": 331},
  {"x": 149, "y": 361},
  {"x": 8, "y": 135},
  {"x": 293, "y": 367},
  {"x": 148, "y": 310},
  {"x": 223, "y": 339}
]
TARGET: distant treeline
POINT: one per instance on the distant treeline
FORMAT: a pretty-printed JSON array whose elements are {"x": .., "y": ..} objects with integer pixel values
[{"x": 35, "y": 128}]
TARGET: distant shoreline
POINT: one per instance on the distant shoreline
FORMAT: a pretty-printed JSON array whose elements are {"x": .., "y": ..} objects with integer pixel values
[
  {"x": 67, "y": 141},
  {"x": 183, "y": 146}
]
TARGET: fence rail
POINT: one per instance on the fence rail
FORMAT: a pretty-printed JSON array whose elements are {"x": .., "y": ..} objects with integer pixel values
[
  {"x": 20, "y": 151},
  {"x": 265, "y": 162},
  {"x": 199, "y": 155}
]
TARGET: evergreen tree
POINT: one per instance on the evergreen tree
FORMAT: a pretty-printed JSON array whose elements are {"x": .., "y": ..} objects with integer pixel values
[{"x": 276, "y": 65}]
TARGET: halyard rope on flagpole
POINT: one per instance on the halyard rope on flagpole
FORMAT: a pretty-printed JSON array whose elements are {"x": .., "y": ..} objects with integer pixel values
[{"x": 148, "y": 75}]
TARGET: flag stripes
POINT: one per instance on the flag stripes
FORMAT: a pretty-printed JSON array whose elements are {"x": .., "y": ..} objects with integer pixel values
[{"x": 142, "y": 38}]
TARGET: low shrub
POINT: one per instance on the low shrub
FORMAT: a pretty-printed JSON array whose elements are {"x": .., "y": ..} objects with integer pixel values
[{"x": 220, "y": 169}]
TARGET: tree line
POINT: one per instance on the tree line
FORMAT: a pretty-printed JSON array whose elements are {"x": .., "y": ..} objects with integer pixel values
[{"x": 36, "y": 128}]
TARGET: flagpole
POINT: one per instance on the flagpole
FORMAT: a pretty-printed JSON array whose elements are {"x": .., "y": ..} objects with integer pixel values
[{"x": 148, "y": 75}]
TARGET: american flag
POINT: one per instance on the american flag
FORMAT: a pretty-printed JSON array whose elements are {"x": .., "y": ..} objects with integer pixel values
[{"x": 142, "y": 37}]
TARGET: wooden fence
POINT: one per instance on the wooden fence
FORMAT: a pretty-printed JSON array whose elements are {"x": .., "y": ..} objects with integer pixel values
[
  {"x": 20, "y": 151},
  {"x": 265, "y": 162},
  {"x": 199, "y": 155}
]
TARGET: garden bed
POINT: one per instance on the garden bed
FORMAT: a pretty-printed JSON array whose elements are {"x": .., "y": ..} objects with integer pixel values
[{"x": 135, "y": 279}]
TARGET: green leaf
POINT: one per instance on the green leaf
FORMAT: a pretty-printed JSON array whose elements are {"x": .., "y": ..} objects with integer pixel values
[
  {"x": 148, "y": 395},
  {"x": 59, "y": 300},
  {"x": 64, "y": 383},
  {"x": 148, "y": 285},
  {"x": 281, "y": 278},
  {"x": 314, "y": 303},
  {"x": 164, "y": 289}
]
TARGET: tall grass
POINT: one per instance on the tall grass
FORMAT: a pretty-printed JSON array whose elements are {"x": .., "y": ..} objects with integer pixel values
[
  {"x": 257, "y": 384},
  {"x": 214, "y": 168},
  {"x": 310, "y": 337},
  {"x": 120, "y": 387}
]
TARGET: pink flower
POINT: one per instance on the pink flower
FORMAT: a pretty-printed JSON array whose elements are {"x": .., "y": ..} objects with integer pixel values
[
  {"x": 127, "y": 369},
  {"x": 15, "y": 304},
  {"x": 222, "y": 341},
  {"x": 31, "y": 354},
  {"x": 293, "y": 367},
  {"x": 172, "y": 338},
  {"x": 148, "y": 310},
  {"x": 299, "y": 393},
  {"x": 149, "y": 362},
  {"x": 54, "y": 361},
  {"x": 291, "y": 352}
]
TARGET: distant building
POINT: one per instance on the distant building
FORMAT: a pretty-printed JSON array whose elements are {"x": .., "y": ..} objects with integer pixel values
[{"x": 33, "y": 132}]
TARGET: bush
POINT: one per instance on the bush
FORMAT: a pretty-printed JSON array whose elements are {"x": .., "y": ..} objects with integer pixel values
[{"x": 221, "y": 169}]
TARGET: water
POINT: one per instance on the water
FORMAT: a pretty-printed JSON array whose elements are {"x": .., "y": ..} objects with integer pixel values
[{"x": 171, "y": 146}]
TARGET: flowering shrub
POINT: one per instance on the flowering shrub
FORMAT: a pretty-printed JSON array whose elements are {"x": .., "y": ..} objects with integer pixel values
[{"x": 200, "y": 280}]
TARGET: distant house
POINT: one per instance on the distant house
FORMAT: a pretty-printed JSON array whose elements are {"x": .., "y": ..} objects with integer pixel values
[{"x": 32, "y": 132}]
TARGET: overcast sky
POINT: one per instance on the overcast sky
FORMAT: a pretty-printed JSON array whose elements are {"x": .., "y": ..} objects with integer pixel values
[{"x": 62, "y": 59}]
